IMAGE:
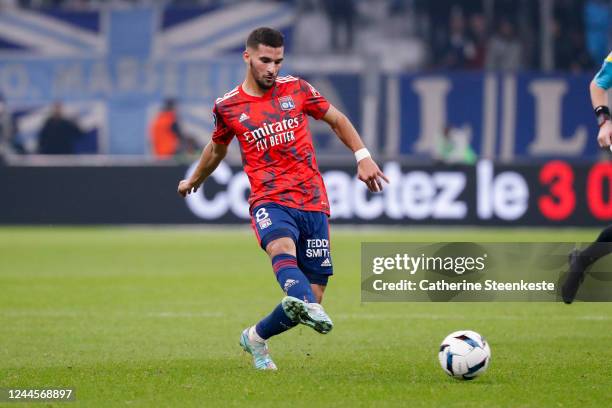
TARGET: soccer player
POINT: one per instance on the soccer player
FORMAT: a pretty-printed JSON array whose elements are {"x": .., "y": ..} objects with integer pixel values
[
  {"x": 579, "y": 261},
  {"x": 288, "y": 202}
]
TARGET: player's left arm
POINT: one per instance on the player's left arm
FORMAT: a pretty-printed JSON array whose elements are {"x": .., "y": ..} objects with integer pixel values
[{"x": 367, "y": 169}]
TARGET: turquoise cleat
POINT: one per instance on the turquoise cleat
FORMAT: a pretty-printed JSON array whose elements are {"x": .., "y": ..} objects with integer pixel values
[
  {"x": 309, "y": 314},
  {"x": 259, "y": 351}
]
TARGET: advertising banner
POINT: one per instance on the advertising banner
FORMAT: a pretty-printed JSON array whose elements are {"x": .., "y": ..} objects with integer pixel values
[{"x": 549, "y": 194}]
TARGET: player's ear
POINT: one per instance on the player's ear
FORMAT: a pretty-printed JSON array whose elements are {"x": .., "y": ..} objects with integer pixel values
[{"x": 246, "y": 56}]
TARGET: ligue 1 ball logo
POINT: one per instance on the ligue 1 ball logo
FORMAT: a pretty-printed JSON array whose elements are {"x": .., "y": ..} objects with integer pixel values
[{"x": 286, "y": 103}]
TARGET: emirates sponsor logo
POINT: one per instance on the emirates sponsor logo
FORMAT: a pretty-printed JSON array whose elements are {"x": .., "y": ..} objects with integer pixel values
[
  {"x": 271, "y": 129},
  {"x": 273, "y": 134}
]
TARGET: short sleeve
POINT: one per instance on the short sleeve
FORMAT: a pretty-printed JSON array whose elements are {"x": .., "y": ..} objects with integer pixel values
[
  {"x": 315, "y": 104},
  {"x": 603, "y": 79},
  {"x": 222, "y": 134}
]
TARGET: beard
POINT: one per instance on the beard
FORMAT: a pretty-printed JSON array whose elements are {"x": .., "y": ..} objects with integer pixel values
[{"x": 263, "y": 82}]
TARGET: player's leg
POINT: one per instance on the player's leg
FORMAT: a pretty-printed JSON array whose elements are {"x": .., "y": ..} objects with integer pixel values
[
  {"x": 314, "y": 259},
  {"x": 276, "y": 232},
  {"x": 579, "y": 261},
  {"x": 300, "y": 305},
  {"x": 598, "y": 249},
  {"x": 293, "y": 282},
  {"x": 318, "y": 291}
]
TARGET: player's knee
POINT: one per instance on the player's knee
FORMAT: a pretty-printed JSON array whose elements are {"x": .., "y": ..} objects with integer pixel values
[{"x": 281, "y": 246}]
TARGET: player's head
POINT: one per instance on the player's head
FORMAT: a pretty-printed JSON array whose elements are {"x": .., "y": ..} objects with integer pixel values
[
  {"x": 264, "y": 55},
  {"x": 57, "y": 109},
  {"x": 169, "y": 104}
]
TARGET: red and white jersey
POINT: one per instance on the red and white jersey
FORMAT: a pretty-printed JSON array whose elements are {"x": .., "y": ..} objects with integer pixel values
[{"x": 275, "y": 142}]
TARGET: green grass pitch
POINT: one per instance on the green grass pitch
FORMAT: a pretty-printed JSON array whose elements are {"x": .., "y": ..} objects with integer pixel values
[{"x": 152, "y": 317}]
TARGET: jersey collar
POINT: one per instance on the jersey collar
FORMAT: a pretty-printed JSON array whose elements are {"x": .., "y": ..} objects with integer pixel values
[{"x": 266, "y": 96}]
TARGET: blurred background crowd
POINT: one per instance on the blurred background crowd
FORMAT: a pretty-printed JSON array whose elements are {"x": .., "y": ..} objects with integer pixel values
[
  {"x": 67, "y": 103},
  {"x": 568, "y": 35}
]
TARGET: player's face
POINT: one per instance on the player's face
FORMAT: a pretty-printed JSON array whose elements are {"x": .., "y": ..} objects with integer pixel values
[{"x": 264, "y": 64}]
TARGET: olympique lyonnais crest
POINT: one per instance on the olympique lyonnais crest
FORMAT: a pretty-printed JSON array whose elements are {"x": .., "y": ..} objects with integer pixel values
[{"x": 286, "y": 103}]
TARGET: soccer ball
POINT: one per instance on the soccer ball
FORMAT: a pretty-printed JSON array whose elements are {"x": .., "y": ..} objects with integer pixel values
[{"x": 464, "y": 354}]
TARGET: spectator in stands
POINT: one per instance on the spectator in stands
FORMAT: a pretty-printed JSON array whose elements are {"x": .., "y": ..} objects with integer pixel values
[
  {"x": 8, "y": 130},
  {"x": 582, "y": 60},
  {"x": 166, "y": 136},
  {"x": 478, "y": 38},
  {"x": 505, "y": 50},
  {"x": 453, "y": 146},
  {"x": 59, "y": 133},
  {"x": 570, "y": 49},
  {"x": 342, "y": 16},
  {"x": 459, "y": 48}
]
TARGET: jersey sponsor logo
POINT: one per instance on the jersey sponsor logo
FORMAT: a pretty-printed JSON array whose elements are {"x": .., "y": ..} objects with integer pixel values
[
  {"x": 270, "y": 135},
  {"x": 265, "y": 223},
  {"x": 609, "y": 57},
  {"x": 263, "y": 218},
  {"x": 243, "y": 117},
  {"x": 317, "y": 248},
  {"x": 286, "y": 103},
  {"x": 326, "y": 262},
  {"x": 270, "y": 129}
]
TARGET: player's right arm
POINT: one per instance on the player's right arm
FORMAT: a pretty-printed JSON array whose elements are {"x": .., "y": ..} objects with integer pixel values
[
  {"x": 211, "y": 156},
  {"x": 599, "y": 98}
]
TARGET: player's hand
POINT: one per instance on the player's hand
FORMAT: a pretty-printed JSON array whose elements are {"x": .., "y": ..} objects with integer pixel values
[
  {"x": 369, "y": 172},
  {"x": 186, "y": 187},
  {"x": 604, "y": 138}
]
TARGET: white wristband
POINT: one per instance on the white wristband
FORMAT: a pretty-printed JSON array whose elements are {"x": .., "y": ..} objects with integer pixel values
[{"x": 362, "y": 154}]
